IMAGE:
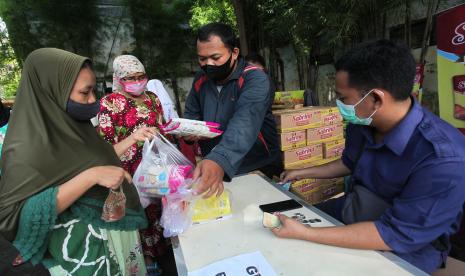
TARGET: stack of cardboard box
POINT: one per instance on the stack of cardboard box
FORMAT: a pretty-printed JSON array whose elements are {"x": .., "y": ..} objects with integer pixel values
[
  {"x": 288, "y": 99},
  {"x": 311, "y": 136}
]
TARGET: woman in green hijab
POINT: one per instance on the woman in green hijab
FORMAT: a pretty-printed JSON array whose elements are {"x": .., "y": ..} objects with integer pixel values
[{"x": 57, "y": 173}]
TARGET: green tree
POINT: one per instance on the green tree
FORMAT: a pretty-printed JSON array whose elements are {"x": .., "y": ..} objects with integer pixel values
[
  {"x": 65, "y": 24},
  {"x": 68, "y": 24},
  {"x": 317, "y": 28},
  {"x": 15, "y": 14},
  {"x": 163, "y": 39},
  {"x": 9, "y": 68},
  {"x": 207, "y": 11}
]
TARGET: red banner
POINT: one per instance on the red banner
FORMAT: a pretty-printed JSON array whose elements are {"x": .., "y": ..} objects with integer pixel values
[{"x": 451, "y": 30}]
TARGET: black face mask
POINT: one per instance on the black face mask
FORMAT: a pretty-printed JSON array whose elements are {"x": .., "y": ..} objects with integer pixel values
[
  {"x": 220, "y": 72},
  {"x": 82, "y": 112}
]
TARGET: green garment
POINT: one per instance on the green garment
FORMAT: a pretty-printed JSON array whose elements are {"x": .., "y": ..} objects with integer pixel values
[
  {"x": 78, "y": 248},
  {"x": 83, "y": 249},
  {"x": 38, "y": 220},
  {"x": 45, "y": 147}
]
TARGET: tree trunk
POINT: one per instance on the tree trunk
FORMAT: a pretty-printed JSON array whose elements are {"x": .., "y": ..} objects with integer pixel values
[
  {"x": 384, "y": 25},
  {"x": 271, "y": 63},
  {"x": 407, "y": 27},
  {"x": 432, "y": 6},
  {"x": 302, "y": 60},
  {"x": 239, "y": 11},
  {"x": 300, "y": 70},
  {"x": 281, "y": 71},
  {"x": 313, "y": 64},
  {"x": 273, "y": 70},
  {"x": 261, "y": 35},
  {"x": 312, "y": 74},
  {"x": 115, "y": 34}
]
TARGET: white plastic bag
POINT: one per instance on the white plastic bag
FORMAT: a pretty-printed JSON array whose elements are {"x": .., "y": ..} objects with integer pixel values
[
  {"x": 184, "y": 208},
  {"x": 177, "y": 211},
  {"x": 163, "y": 169},
  {"x": 165, "y": 172}
]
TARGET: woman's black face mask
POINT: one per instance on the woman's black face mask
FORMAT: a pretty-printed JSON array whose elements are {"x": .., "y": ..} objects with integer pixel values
[{"x": 82, "y": 112}]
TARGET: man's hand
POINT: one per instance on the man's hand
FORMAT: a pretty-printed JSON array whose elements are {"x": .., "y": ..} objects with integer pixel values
[
  {"x": 290, "y": 229},
  {"x": 361, "y": 235},
  {"x": 292, "y": 175},
  {"x": 211, "y": 178}
]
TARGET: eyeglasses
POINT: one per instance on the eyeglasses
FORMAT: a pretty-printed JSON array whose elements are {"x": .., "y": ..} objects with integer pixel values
[{"x": 135, "y": 78}]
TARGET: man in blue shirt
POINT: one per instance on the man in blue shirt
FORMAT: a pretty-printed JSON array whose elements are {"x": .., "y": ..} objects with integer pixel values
[{"x": 400, "y": 153}]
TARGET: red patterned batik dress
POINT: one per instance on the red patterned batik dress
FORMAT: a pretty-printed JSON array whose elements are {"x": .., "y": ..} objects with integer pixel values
[{"x": 119, "y": 117}]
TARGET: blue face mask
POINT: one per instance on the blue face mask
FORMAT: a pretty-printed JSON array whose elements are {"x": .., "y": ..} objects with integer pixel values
[{"x": 349, "y": 114}]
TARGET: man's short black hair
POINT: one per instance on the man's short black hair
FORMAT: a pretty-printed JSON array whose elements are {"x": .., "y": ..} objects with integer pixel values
[
  {"x": 223, "y": 31},
  {"x": 380, "y": 64},
  {"x": 255, "y": 58}
]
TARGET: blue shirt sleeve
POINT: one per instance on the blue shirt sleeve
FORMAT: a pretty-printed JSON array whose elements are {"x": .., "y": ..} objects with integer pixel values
[{"x": 429, "y": 206}]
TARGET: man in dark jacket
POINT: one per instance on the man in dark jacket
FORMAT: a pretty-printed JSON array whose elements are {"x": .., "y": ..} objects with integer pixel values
[{"x": 238, "y": 97}]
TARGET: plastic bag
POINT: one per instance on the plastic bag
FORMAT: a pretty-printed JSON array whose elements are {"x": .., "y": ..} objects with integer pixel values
[
  {"x": 165, "y": 172},
  {"x": 177, "y": 211},
  {"x": 163, "y": 169},
  {"x": 184, "y": 127},
  {"x": 114, "y": 207},
  {"x": 184, "y": 208}
]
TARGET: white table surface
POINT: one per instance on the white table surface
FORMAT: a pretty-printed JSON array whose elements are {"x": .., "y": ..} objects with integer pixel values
[{"x": 203, "y": 244}]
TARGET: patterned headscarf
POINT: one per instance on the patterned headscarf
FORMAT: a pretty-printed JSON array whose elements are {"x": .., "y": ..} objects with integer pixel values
[{"x": 123, "y": 66}]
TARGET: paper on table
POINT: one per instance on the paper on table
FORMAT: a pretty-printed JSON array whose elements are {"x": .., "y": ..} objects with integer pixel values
[{"x": 245, "y": 264}]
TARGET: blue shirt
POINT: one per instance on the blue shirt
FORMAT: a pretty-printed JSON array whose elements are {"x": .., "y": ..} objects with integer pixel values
[{"x": 419, "y": 168}]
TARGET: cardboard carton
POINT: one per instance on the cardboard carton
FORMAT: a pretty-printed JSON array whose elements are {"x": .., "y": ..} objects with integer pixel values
[
  {"x": 294, "y": 139},
  {"x": 326, "y": 192},
  {"x": 325, "y": 133},
  {"x": 303, "y": 155},
  {"x": 294, "y": 119},
  {"x": 314, "y": 163},
  {"x": 286, "y": 97},
  {"x": 322, "y": 193},
  {"x": 330, "y": 116},
  {"x": 297, "y": 119},
  {"x": 333, "y": 148},
  {"x": 305, "y": 186}
]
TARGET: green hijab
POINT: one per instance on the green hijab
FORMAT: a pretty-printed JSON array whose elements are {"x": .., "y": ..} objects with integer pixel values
[{"x": 45, "y": 147}]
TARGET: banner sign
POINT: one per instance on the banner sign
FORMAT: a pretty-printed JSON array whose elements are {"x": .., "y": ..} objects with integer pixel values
[{"x": 450, "y": 31}]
